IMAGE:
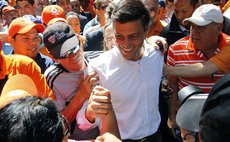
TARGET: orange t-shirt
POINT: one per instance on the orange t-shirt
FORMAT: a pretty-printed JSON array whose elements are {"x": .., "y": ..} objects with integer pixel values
[{"x": 19, "y": 64}]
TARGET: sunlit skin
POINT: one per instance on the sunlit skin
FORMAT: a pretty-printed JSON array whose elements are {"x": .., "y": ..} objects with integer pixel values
[
  {"x": 74, "y": 22},
  {"x": 183, "y": 9},
  {"x": 26, "y": 44},
  {"x": 153, "y": 7},
  {"x": 109, "y": 37},
  {"x": 26, "y": 8},
  {"x": 200, "y": 38},
  {"x": 65, "y": 4},
  {"x": 75, "y": 62},
  {"x": 101, "y": 14},
  {"x": 130, "y": 38}
]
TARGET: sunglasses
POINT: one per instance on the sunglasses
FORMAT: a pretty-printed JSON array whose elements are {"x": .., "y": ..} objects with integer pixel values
[{"x": 72, "y": 51}]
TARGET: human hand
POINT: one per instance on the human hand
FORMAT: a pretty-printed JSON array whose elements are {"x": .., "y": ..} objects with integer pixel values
[
  {"x": 100, "y": 101},
  {"x": 159, "y": 43},
  {"x": 87, "y": 83},
  {"x": 107, "y": 137},
  {"x": 173, "y": 127}
]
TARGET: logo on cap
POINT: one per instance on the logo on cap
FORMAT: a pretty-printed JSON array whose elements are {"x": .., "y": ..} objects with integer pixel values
[{"x": 54, "y": 11}]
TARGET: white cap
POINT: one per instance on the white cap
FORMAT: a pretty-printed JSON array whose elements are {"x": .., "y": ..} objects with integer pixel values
[{"x": 206, "y": 14}]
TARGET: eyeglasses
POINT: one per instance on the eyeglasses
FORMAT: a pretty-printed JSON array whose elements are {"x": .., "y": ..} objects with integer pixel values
[
  {"x": 103, "y": 7},
  {"x": 72, "y": 51},
  {"x": 66, "y": 126}
]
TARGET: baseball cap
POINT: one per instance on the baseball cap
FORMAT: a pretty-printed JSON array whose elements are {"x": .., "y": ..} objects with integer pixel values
[
  {"x": 22, "y": 25},
  {"x": 19, "y": 85},
  {"x": 192, "y": 100},
  {"x": 59, "y": 38},
  {"x": 50, "y": 12},
  {"x": 7, "y": 9},
  {"x": 206, "y": 14},
  {"x": 214, "y": 120},
  {"x": 54, "y": 20}
]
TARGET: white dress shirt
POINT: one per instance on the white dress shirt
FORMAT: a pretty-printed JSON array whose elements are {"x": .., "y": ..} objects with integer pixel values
[{"x": 134, "y": 87}]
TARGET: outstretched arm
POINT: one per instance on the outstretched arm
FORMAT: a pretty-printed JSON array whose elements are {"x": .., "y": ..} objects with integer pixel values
[
  {"x": 100, "y": 105},
  {"x": 193, "y": 70}
]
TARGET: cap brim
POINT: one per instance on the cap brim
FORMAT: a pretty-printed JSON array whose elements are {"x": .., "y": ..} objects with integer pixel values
[
  {"x": 188, "y": 115},
  {"x": 4, "y": 12},
  {"x": 54, "y": 20},
  {"x": 40, "y": 28},
  {"x": 21, "y": 82},
  {"x": 18, "y": 86},
  {"x": 197, "y": 21},
  {"x": 61, "y": 49}
]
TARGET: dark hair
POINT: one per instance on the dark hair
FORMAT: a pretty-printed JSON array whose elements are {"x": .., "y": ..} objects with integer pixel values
[
  {"x": 194, "y": 2},
  {"x": 72, "y": 13},
  {"x": 30, "y": 1},
  {"x": 131, "y": 10},
  {"x": 31, "y": 119}
]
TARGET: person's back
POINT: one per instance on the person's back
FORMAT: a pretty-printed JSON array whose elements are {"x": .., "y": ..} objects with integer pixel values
[{"x": 18, "y": 64}]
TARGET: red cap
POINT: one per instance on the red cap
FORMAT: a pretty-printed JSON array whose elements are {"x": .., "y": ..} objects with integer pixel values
[
  {"x": 22, "y": 25},
  {"x": 7, "y": 9},
  {"x": 52, "y": 11}
]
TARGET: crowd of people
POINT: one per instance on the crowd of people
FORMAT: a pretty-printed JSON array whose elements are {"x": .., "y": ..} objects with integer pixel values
[{"x": 113, "y": 70}]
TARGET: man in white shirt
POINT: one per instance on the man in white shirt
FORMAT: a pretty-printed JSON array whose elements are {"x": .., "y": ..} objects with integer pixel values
[{"x": 132, "y": 72}]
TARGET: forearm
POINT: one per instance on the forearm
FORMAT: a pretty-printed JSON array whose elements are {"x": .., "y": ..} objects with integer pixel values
[
  {"x": 109, "y": 124},
  {"x": 71, "y": 110},
  {"x": 193, "y": 70},
  {"x": 173, "y": 101}
]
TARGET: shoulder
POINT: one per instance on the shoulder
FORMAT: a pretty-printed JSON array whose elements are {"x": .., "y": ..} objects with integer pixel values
[
  {"x": 21, "y": 60},
  {"x": 54, "y": 70},
  {"x": 181, "y": 43},
  {"x": 90, "y": 55}
]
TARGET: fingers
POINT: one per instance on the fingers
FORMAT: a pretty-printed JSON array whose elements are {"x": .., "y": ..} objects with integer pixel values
[{"x": 100, "y": 101}]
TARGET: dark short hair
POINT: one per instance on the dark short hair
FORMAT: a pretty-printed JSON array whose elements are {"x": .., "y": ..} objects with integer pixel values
[
  {"x": 31, "y": 119},
  {"x": 72, "y": 13},
  {"x": 131, "y": 10},
  {"x": 30, "y": 1}
]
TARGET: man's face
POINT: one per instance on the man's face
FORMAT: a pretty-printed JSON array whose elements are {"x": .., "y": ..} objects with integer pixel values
[
  {"x": 84, "y": 3},
  {"x": 74, "y": 22},
  {"x": 183, "y": 9},
  {"x": 75, "y": 6},
  {"x": 65, "y": 4},
  {"x": 200, "y": 38},
  {"x": 101, "y": 10},
  {"x": 153, "y": 8},
  {"x": 26, "y": 8},
  {"x": 75, "y": 62},
  {"x": 129, "y": 38},
  {"x": 10, "y": 16},
  {"x": 38, "y": 5},
  {"x": 27, "y": 44}
]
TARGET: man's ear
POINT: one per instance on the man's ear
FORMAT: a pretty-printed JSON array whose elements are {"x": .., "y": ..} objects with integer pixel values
[
  {"x": 220, "y": 27},
  {"x": 11, "y": 41}
]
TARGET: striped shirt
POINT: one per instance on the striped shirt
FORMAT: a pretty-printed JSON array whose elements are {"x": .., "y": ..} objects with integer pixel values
[{"x": 183, "y": 53}]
